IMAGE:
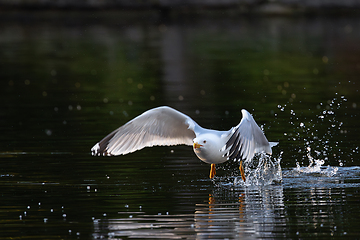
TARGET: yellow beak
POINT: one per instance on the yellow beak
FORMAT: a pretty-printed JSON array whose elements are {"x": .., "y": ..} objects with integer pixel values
[{"x": 196, "y": 145}]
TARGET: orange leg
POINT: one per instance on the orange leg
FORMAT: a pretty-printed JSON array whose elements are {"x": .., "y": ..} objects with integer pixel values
[
  {"x": 212, "y": 171},
  {"x": 242, "y": 172}
]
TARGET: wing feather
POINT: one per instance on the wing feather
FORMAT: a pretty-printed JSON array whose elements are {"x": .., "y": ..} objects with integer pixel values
[
  {"x": 246, "y": 139},
  {"x": 156, "y": 127}
]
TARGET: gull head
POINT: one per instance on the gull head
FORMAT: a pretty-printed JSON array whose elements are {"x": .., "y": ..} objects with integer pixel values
[
  {"x": 206, "y": 148},
  {"x": 200, "y": 145}
]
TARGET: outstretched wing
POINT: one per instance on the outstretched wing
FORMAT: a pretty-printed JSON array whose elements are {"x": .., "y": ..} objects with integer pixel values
[
  {"x": 246, "y": 139},
  {"x": 156, "y": 127}
]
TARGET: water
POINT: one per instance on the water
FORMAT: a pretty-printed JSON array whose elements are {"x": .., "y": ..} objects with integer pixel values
[{"x": 67, "y": 80}]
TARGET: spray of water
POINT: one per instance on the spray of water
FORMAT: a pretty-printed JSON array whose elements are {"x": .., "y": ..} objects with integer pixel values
[
  {"x": 262, "y": 170},
  {"x": 316, "y": 166},
  {"x": 320, "y": 139}
]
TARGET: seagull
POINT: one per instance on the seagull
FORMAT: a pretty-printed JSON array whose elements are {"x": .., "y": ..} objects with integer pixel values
[{"x": 165, "y": 126}]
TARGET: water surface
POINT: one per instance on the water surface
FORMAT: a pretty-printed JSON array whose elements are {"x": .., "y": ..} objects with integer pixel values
[{"x": 70, "y": 79}]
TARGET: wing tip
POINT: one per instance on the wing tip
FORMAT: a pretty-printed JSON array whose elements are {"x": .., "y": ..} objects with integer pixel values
[
  {"x": 96, "y": 151},
  {"x": 245, "y": 113}
]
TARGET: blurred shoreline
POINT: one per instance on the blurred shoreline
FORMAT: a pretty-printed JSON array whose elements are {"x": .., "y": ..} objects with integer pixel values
[{"x": 173, "y": 9}]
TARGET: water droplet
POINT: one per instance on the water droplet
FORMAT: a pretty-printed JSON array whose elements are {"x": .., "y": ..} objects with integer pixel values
[{"x": 48, "y": 132}]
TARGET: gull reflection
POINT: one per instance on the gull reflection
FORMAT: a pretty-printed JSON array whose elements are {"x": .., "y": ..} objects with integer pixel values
[
  {"x": 243, "y": 214},
  {"x": 225, "y": 213}
]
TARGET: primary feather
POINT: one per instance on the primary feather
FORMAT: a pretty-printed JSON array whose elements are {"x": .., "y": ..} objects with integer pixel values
[
  {"x": 246, "y": 139},
  {"x": 159, "y": 126}
]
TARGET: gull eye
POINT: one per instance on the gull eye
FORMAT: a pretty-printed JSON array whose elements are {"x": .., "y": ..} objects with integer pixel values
[{"x": 204, "y": 141}]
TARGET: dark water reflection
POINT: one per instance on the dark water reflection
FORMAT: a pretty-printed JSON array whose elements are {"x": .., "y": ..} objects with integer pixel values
[
  {"x": 69, "y": 79},
  {"x": 278, "y": 211}
]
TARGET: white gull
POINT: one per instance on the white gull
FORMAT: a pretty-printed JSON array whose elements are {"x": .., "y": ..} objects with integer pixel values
[{"x": 165, "y": 126}]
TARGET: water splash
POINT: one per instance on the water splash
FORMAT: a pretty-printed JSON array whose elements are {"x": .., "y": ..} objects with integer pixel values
[
  {"x": 315, "y": 167},
  {"x": 262, "y": 170},
  {"x": 325, "y": 130}
]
